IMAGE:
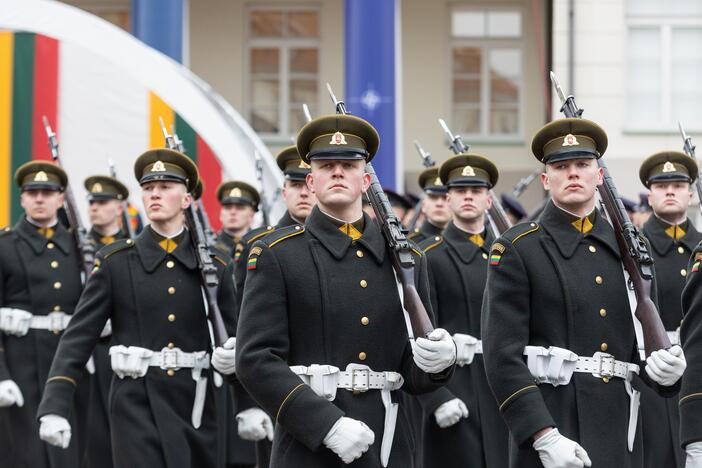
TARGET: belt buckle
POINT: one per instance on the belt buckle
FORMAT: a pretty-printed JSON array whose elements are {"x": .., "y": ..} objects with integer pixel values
[
  {"x": 364, "y": 384},
  {"x": 170, "y": 359},
  {"x": 56, "y": 321},
  {"x": 606, "y": 365}
]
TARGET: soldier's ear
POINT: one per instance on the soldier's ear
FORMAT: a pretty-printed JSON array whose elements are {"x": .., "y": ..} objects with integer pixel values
[
  {"x": 309, "y": 180},
  {"x": 186, "y": 201},
  {"x": 545, "y": 181},
  {"x": 366, "y": 181}
]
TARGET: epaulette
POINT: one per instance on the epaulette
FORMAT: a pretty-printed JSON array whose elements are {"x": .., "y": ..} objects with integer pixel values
[
  {"x": 279, "y": 235},
  {"x": 5, "y": 231},
  {"x": 415, "y": 248},
  {"x": 519, "y": 231},
  {"x": 415, "y": 232},
  {"x": 255, "y": 234},
  {"x": 219, "y": 254},
  {"x": 427, "y": 244},
  {"x": 116, "y": 246}
]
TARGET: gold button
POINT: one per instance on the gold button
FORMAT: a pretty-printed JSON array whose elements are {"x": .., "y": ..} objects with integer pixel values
[
  {"x": 50, "y": 245},
  {"x": 171, "y": 346},
  {"x": 57, "y": 308},
  {"x": 297, "y": 228},
  {"x": 363, "y": 283},
  {"x": 129, "y": 241},
  {"x": 362, "y": 356},
  {"x": 170, "y": 372},
  {"x": 592, "y": 249},
  {"x": 603, "y": 347},
  {"x": 365, "y": 321},
  {"x": 171, "y": 317},
  {"x": 170, "y": 264},
  {"x": 171, "y": 290},
  {"x": 484, "y": 256},
  {"x": 603, "y": 312},
  {"x": 54, "y": 264},
  {"x": 598, "y": 279},
  {"x": 359, "y": 253},
  {"x": 683, "y": 272},
  {"x": 437, "y": 238},
  {"x": 57, "y": 285},
  {"x": 605, "y": 379},
  {"x": 681, "y": 250}
]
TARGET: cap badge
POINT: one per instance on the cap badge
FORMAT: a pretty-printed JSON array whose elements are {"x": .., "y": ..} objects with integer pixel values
[
  {"x": 41, "y": 177},
  {"x": 668, "y": 167},
  {"x": 235, "y": 192},
  {"x": 437, "y": 181},
  {"x": 338, "y": 139},
  {"x": 158, "y": 167},
  {"x": 97, "y": 187},
  {"x": 468, "y": 171},
  {"x": 570, "y": 140},
  {"x": 303, "y": 165}
]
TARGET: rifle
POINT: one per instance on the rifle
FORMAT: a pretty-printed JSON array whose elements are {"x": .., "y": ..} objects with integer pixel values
[
  {"x": 524, "y": 182},
  {"x": 689, "y": 149},
  {"x": 78, "y": 232},
  {"x": 306, "y": 111},
  {"x": 126, "y": 222},
  {"x": 208, "y": 272},
  {"x": 497, "y": 217},
  {"x": 636, "y": 258},
  {"x": 398, "y": 245},
  {"x": 427, "y": 162},
  {"x": 259, "y": 176}
]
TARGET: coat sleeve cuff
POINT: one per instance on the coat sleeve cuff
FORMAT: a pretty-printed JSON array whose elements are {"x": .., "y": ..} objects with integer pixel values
[
  {"x": 690, "y": 418},
  {"x": 58, "y": 397},
  {"x": 431, "y": 401},
  {"x": 525, "y": 414}
]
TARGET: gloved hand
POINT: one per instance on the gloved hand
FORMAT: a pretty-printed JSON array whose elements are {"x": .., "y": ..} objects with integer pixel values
[
  {"x": 556, "y": 451},
  {"x": 55, "y": 430},
  {"x": 224, "y": 357},
  {"x": 694, "y": 455},
  {"x": 349, "y": 439},
  {"x": 435, "y": 354},
  {"x": 10, "y": 394},
  {"x": 254, "y": 424},
  {"x": 665, "y": 367},
  {"x": 450, "y": 413},
  {"x": 15, "y": 321}
]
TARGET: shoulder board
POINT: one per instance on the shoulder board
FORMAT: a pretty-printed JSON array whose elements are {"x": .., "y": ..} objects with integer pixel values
[
  {"x": 255, "y": 234},
  {"x": 427, "y": 244},
  {"x": 279, "y": 235},
  {"x": 413, "y": 234},
  {"x": 5, "y": 231},
  {"x": 219, "y": 254},
  {"x": 115, "y": 247},
  {"x": 415, "y": 248},
  {"x": 515, "y": 233}
]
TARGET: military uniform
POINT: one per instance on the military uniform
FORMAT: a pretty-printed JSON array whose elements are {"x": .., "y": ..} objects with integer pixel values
[
  {"x": 457, "y": 273},
  {"x": 150, "y": 288},
  {"x": 560, "y": 283},
  {"x": 430, "y": 182},
  {"x": 326, "y": 294},
  {"x": 40, "y": 273},
  {"x": 672, "y": 246},
  {"x": 234, "y": 192}
]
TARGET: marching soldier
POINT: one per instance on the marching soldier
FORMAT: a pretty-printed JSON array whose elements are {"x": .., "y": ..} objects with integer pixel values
[
  {"x": 463, "y": 425},
  {"x": 559, "y": 341},
  {"x": 239, "y": 202},
  {"x": 161, "y": 400},
  {"x": 323, "y": 299},
  {"x": 106, "y": 196},
  {"x": 434, "y": 207},
  {"x": 40, "y": 284},
  {"x": 668, "y": 176}
]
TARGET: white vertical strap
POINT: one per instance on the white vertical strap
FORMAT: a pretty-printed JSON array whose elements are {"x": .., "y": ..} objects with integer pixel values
[
  {"x": 632, "y": 306},
  {"x": 408, "y": 323}
]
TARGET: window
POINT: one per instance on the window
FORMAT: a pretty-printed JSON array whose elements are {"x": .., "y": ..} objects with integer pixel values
[
  {"x": 486, "y": 72},
  {"x": 664, "y": 63},
  {"x": 283, "y": 68}
]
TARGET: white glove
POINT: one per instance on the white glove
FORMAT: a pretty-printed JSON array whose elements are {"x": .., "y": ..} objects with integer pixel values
[
  {"x": 450, "y": 413},
  {"x": 55, "y": 430},
  {"x": 15, "y": 321},
  {"x": 349, "y": 438},
  {"x": 665, "y": 367},
  {"x": 224, "y": 357},
  {"x": 254, "y": 424},
  {"x": 694, "y": 455},
  {"x": 556, "y": 451},
  {"x": 10, "y": 394},
  {"x": 436, "y": 353}
]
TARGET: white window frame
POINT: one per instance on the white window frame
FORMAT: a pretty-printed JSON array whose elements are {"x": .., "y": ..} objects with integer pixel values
[
  {"x": 284, "y": 45},
  {"x": 486, "y": 44}
]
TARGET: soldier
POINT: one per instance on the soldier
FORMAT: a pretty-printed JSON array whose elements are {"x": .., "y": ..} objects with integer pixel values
[
  {"x": 162, "y": 410},
  {"x": 40, "y": 283},
  {"x": 239, "y": 202},
  {"x": 434, "y": 207},
  {"x": 668, "y": 176},
  {"x": 463, "y": 425},
  {"x": 106, "y": 197},
  {"x": 559, "y": 341},
  {"x": 323, "y": 299}
]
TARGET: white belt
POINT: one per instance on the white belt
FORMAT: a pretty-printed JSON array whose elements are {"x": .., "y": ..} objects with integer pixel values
[
  {"x": 53, "y": 321},
  {"x": 324, "y": 380},
  {"x": 18, "y": 322},
  {"x": 466, "y": 348},
  {"x": 134, "y": 361},
  {"x": 555, "y": 366}
]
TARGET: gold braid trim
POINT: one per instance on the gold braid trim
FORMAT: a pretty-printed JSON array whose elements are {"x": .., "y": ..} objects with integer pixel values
[
  {"x": 63, "y": 377},
  {"x": 286, "y": 399},
  {"x": 515, "y": 394}
]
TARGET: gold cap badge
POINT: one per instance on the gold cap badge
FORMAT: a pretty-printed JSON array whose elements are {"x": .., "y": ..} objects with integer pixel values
[
  {"x": 468, "y": 171},
  {"x": 437, "y": 181},
  {"x": 338, "y": 139},
  {"x": 97, "y": 187},
  {"x": 235, "y": 192},
  {"x": 303, "y": 165},
  {"x": 158, "y": 167},
  {"x": 570, "y": 140},
  {"x": 668, "y": 167},
  {"x": 41, "y": 177}
]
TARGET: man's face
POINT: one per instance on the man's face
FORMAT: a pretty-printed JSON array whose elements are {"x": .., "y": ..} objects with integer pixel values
[
  {"x": 104, "y": 212},
  {"x": 299, "y": 200},
  {"x": 338, "y": 183},
  {"x": 469, "y": 203},
  {"x": 41, "y": 205},
  {"x": 436, "y": 209},
  {"x": 164, "y": 200},
  {"x": 236, "y": 217},
  {"x": 670, "y": 199},
  {"x": 572, "y": 183}
]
